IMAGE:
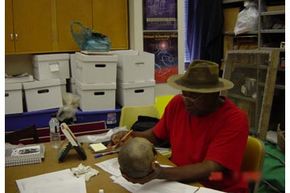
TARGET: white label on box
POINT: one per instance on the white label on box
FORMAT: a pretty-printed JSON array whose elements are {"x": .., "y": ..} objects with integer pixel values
[{"x": 54, "y": 67}]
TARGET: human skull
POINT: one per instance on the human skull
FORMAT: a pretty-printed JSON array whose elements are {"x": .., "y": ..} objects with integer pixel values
[{"x": 136, "y": 157}]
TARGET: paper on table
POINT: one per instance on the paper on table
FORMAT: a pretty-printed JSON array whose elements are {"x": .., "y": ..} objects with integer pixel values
[
  {"x": 156, "y": 185},
  {"x": 112, "y": 166},
  {"x": 54, "y": 180},
  {"x": 76, "y": 185}
]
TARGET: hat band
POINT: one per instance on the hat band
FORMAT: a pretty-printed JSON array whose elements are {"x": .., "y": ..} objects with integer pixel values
[{"x": 198, "y": 85}]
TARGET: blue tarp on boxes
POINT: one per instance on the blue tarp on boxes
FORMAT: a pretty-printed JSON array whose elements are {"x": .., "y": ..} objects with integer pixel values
[{"x": 41, "y": 118}]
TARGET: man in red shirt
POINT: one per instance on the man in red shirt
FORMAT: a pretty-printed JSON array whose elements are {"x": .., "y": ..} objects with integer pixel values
[{"x": 207, "y": 132}]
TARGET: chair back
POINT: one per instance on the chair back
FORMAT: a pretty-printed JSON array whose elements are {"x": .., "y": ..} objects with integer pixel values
[
  {"x": 253, "y": 159},
  {"x": 161, "y": 102},
  {"x": 129, "y": 114}
]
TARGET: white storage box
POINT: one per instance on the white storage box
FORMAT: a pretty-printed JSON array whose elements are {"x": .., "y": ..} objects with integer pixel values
[
  {"x": 73, "y": 65},
  {"x": 135, "y": 66},
  {"x": 92, "y": 69},
  {"x": 96, "y": 96},
  {"x": 19, "y": 78},
  {"x": 63, "y": 86},
  {"x": 51, "y": 66},
  {"x": 134, "y": 94},
  {"x": 73, "y": 87},
  {"x": 13, "y": 98},
  {"x": 44, "y": 94}
]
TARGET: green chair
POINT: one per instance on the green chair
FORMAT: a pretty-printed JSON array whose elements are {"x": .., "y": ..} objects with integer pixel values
[
  {"x": 129, "y": 114},
  {"x": 253, "y": 160},
  {"x": 161, "y": 102}
]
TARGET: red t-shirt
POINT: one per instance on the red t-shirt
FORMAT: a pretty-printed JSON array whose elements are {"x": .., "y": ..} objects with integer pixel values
[{"x": 220, "y": 136}]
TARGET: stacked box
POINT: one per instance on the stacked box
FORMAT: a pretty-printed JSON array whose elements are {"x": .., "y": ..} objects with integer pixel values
[
  {"x": 136, "y": 93},
  {"x": 95, "y": 81},
  {"x": 134, "y": 66},
  {"x": 13, "y": 98},
  {"x": 43, "y": 94},
  {"x": 51, "y": 66},
  {"x": 136, "y": 84},
  {"x": 96, "y": 69},
  {"x": 96, "y": 96}
]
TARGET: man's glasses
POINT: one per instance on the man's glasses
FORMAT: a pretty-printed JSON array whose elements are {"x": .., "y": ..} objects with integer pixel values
[{"x": 192, "y": 99}]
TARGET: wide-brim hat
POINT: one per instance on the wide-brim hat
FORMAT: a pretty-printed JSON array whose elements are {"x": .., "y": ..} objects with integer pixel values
[{"x": 202, "y": 76}]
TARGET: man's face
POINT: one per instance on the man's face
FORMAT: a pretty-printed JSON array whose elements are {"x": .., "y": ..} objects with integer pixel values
[{"x": 200, "y": 104}]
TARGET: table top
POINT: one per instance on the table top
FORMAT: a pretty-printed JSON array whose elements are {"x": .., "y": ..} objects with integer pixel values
[{"x": 51, "y": 164}]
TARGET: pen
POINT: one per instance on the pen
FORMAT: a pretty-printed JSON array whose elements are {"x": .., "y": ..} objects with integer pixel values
[{"x": 106, "y": 153}]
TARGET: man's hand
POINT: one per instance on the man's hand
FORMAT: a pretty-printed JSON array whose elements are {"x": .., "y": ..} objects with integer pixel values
[
  {"x": 156, "y": 169},
  {"x": 116, "y": 138}
]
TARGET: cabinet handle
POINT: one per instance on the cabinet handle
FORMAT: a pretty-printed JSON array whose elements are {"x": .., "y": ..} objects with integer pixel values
[
  {"x": 11, "y": 37},
  {"x": 16, "y": 36}
]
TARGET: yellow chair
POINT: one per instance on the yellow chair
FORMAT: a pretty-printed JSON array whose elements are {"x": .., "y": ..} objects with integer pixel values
[
  {"x": 253, "y": 160},
  {"x": 161, "y": 102},
  {"x": 129, "y": 114}
]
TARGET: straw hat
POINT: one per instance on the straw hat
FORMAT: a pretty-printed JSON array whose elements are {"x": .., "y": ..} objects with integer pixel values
[{"x": 202, "y": 77}]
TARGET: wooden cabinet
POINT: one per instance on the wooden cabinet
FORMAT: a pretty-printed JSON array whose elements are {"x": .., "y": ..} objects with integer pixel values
[
  {"x": 66, "y": 12},
  {"x": 44, "y": 25},
  {"x": 110, "y": 17},
  {"x": 9, "y": 33},
  {"x": 31, "y": 24}
]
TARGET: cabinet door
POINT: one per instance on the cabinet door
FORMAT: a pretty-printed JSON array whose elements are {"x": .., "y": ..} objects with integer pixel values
[
  {"x": 110, "y": 17},
  {"x": 67, "y": 11},
  {"x": 9, "y": 37},
  {"x": 33, "y": 26}
]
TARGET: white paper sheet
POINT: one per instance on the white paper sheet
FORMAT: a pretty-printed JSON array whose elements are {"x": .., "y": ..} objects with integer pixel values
[
  {"x": 155, "y": 186},
  {"x": 55, "y": 182},
  {"x": 111, "y": 166}
]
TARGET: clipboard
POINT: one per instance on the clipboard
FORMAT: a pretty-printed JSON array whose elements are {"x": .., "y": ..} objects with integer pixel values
[{"x": 72, "y": 143}]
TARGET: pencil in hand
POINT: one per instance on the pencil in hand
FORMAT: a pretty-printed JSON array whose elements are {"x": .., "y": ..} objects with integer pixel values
[{"x": 123, "y": 139}]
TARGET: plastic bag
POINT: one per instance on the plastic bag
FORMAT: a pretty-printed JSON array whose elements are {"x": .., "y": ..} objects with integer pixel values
[
  {"x": 247, "y": 20},
  {"x": 67, "y": 113},
  {"x": 88, "y": 40}
]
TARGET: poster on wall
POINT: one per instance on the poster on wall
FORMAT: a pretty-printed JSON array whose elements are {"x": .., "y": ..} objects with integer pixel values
[
  {"x": 160, "y": 14},
  {"x": 164, "y": 46}
]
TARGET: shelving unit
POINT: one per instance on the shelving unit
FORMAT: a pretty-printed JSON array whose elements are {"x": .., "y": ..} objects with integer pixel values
[
  {"x": 271, "y": 25},
  {"x": 270, "y": 37},
  {"x": 253, "y": 73}
]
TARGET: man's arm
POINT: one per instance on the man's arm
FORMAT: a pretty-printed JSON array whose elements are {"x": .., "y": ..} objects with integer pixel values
[
  {"x": 192, "y": 172},
  {"x": 188, "y": 173},
  {"x": 148, "y": 134}
]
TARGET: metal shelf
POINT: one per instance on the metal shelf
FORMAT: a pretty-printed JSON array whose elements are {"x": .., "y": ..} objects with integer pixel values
[
  {"x": 272, "y": 31},
  {"x": 279, "y": 12},
  {"x": 241, "y": 97}
]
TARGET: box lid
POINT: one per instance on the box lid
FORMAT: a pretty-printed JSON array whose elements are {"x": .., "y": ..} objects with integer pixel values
[
  {"x": 84, "y": 86},
  {"x": 50, "y": 57},
  {"x": 13, "y": 86},
  {"x": 97, "y": 58},
  {"x": 42, "y": 83},
  {"x": 147, "y": 83},
  {"x": 125, "y": 52}
]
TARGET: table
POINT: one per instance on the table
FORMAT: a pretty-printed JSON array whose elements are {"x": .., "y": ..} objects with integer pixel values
[{"x": 50, "y": 164}]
